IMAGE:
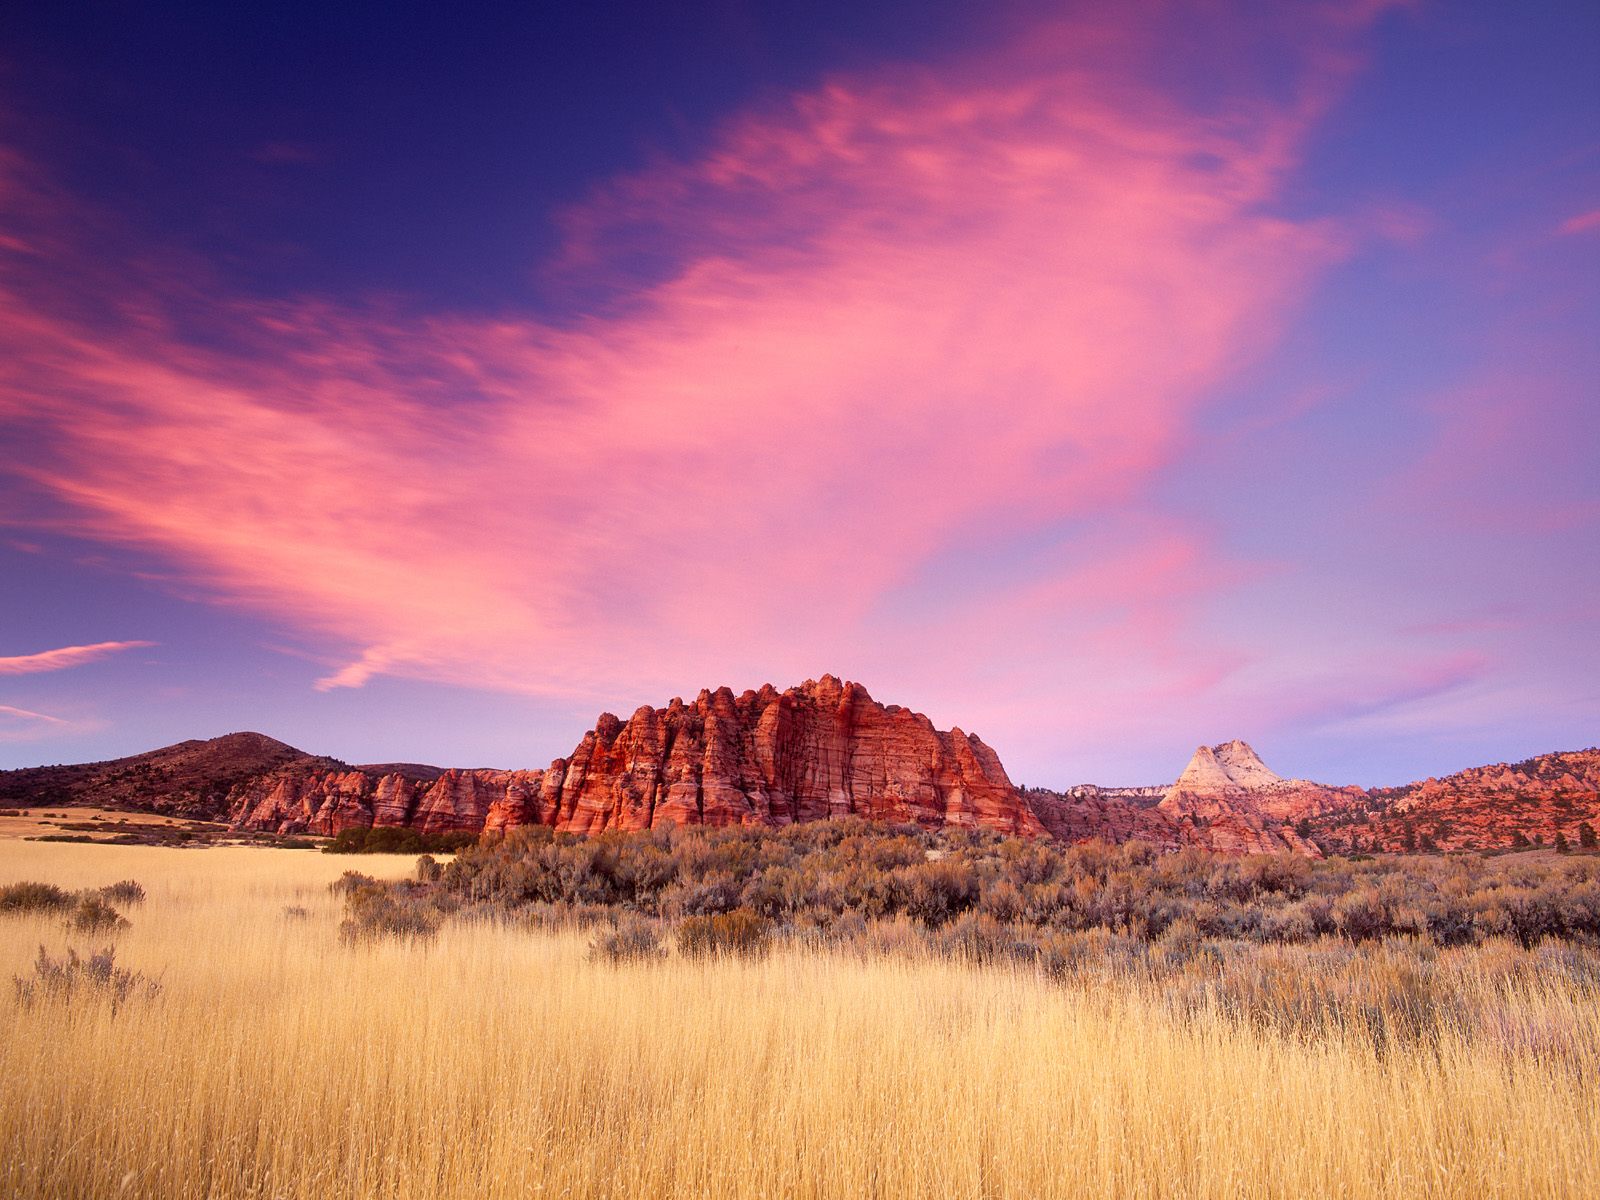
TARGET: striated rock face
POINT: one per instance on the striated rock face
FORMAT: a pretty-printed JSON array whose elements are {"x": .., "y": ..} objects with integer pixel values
[
  {"x": 1232, "y": 766},
  {"x": 1228, "y": 799},
  {"x": 823, "y": 749},
  {"x": 328, "y": 802}
]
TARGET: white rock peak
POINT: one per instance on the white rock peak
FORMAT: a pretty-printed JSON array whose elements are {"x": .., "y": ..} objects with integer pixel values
[{"x": 1231, "y": 765}]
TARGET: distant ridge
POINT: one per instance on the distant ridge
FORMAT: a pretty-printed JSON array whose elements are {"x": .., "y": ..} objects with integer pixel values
[
  {"x": 825, "y": 749},
  {"x": 192, "y": 778}
]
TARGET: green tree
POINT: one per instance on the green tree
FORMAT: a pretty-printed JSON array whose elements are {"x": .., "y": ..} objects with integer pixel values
[
  {"x": 1586, "y": 836},
  {"x": 1561, "y": 843}
]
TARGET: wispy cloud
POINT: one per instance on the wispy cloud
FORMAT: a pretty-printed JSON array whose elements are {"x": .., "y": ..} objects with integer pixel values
[
  {"x": 25, "y": 715},
  {"x": 1584, "y": 222},
  {"x": 62, "y": 659},
  {"x": 909, "y": 305},
  {"x": 908, "y": 314},
  {"x": 25, "y": 725},
  {"x": 356, "y": 674}
]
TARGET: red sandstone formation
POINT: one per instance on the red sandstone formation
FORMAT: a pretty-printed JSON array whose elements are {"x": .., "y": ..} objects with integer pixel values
[
  {"x": 1483, "y": 808},
  {"x": 1228, "y": 799},
  {"x": 827, "y": 749},
  {"x": 824, "y": 749},
  {"x": 1086, "y": 812}
]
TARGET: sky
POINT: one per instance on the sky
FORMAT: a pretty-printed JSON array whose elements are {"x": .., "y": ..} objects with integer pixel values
[{"x": 412, "y": 383}]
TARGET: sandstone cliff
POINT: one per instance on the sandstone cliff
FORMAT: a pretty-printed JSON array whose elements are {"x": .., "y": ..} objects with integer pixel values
[
  {"x": 1087, "y": 811},
  {"x": 823, "y": 749}
]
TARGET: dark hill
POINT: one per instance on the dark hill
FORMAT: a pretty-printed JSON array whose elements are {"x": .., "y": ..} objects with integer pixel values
[{"x": 191, "y": 778}]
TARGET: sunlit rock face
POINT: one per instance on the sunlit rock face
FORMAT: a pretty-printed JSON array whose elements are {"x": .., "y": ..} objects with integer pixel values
[
  {"x": 1495, "y": 807},
  {"x": 1227, "y": 799},
  {"x": 823, "y": 749},
  {"x": 1087, "y": 812}
]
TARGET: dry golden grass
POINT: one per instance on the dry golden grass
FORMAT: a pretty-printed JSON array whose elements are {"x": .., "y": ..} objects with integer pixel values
[{"x": 495, "y": 1062}]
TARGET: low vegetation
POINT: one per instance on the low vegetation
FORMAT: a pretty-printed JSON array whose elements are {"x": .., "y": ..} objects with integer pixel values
[
  {"x": 31, "y": 896},
  {"x": 724, "y": 1014},
  {"x": 86, "y": 911},
  {"x": 96, "y": 979},
  {"x": 739, "y": 932},
  {"x": 94, "y": 914},
  {"x": 631, "y": 938},
  {"x": 980, "y": 890},
  {"x": 389, "y": 839},
  {"x": 1399, "y": 948}
]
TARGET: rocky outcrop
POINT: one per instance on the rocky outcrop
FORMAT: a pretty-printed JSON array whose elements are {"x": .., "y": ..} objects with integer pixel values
[
  {"x": 328, "y": 802},
  {"x": 1496, "y": 807},
  {"x": 1227, "y": 799},
  {"x": 1087, "y": 811},
  {"x": 827, "y": 749},
  {"x": 823, "y": 749}
]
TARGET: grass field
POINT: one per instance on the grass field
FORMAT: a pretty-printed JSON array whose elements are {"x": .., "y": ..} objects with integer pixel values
[{"x": 497, "y": 1061}]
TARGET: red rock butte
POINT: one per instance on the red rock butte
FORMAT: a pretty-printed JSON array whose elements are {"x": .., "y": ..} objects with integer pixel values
[{"x": 823, "y": 749}]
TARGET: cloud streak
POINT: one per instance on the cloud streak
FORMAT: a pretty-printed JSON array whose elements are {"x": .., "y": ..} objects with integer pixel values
[
  {"x": 62, "y": 659},
  {"x": 24, "y": 725},
  {"x": 25, "y": 715},
  {"x": 1585, "y": 222}
]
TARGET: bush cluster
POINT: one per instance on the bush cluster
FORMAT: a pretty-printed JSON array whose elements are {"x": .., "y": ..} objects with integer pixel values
[
  {"x": 89, "y": 911},
  {"x": 125, "y": 891},
  {"x": 740, "y": 933},
  {"x": 95, "y": 978},
  {"x": 373, "y": 910},
  {"x": 1389, "y": 948},
  {"x": 30, "y": 896},
  {"x": 631, "y": 938},
  {"x": 390, "y": 839},
  {"x": 94, "y": 914},
  {"x": 971, "y": 884}
]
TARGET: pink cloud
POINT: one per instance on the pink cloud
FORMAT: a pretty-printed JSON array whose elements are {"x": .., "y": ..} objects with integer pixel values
[
  {"x": 1581, "y": 223},
  {"x": 908, "y": 308},
  {"x": 356, "y": 674},
  {"x": 63, "y": 658}
]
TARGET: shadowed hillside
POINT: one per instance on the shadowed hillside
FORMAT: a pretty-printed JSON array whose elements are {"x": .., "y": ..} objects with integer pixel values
[{"x": 192, "y": 778}]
